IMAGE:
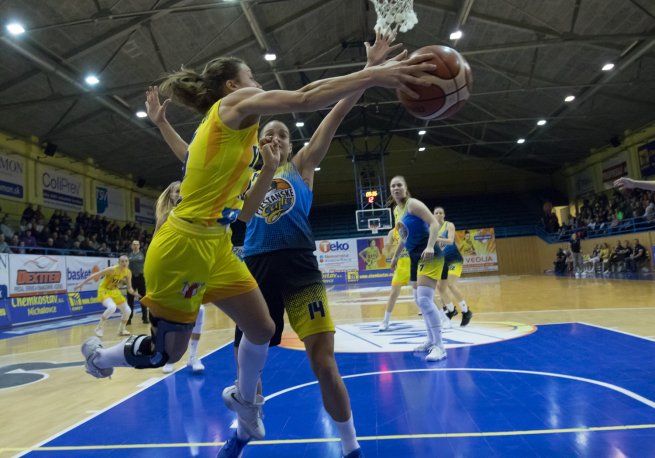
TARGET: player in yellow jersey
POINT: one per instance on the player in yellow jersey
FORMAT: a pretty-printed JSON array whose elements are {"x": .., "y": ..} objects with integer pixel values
[
  {"x": 400, "y": 275},
  {"x": 190, "y": 260},
  {"x": 110, "y": 296}
]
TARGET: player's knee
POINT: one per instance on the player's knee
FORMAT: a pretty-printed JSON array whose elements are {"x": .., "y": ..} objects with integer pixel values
[
  {"x": 139, "y": 353},
  {"x": 111, "y": 308},
  {"x": 261, "y": 333}
]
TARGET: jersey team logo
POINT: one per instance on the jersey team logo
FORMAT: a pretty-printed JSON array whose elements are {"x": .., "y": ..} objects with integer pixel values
[
  {"x": 190, "y": 289},
  {"x": 279, "y": 201}
]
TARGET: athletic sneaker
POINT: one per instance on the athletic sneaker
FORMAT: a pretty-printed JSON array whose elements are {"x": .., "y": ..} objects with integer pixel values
[
  {"x": 450, "y": 315},
  {"x": 446, "y": 324},
  {"x": 123, "y": 332},
  {"x": 466, "y": 318},
  {"x": 425, "y": 346},
  {"x": 195, "y": 365},
  {"x": 384, "y": 326},
  {"x": 250, "y": 414},
  {"x": 357, "y": 453},
  {"x": 99, "y": 331},
  {"x": 233, "y": 447},
  {"x": 90, "y": 351},
  {"x": 437, "y": 353},
  {"x": 168, "y": 368}
]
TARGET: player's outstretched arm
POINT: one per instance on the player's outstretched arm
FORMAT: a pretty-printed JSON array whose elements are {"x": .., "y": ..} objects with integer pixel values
[
  {"x": 310, "y": 156},
  {"x": 629, "y": 183}
]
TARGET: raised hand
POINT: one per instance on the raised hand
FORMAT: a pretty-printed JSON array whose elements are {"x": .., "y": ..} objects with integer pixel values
[
  {"x": 624, "y": 183},
  {"x": 270, "y": 149},
  {"x": 378, "y": 52},
  {"x": 156, "y": 110},
  {"x": 401, "y": 71}
]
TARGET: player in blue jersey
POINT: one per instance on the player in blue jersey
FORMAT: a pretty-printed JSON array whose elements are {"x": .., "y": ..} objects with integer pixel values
[
  {"x": 279, "y": 252},
  {"x": 452, "y": 268},
  {"x": 418, "y": 235}
]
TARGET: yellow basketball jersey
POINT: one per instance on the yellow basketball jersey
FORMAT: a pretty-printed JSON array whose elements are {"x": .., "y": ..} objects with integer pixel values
[
  {"x": 112, "y": 279},
  {"x": 396, "y": 240},
  {"x": 217, "y": 171}
]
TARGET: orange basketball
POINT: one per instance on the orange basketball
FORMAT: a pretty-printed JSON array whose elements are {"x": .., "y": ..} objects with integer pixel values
[{"x": 450, "y": 88}]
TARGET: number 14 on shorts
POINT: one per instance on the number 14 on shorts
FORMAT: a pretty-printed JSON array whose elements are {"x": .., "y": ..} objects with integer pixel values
[{"x": 314, "y": 308}]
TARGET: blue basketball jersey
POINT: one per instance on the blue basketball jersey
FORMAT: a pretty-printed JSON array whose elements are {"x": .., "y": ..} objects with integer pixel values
[
  {"x": 414, "y": 231},
  {"x": 448, "y": 250},
  {"x": 282, "y": 219}
]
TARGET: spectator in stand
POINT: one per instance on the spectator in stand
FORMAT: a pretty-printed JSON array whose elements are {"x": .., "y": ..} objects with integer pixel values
[
  {"x": 576, "y": 254},
  {"x": 29, "y": 240},
  {"x": 50, "y": 247},
  {"x": 28, "y": 213},
  {"x": 105, "y": 251},
  {"x": 4, "y": 247},
  {"x": 76, "y": 250},
  {"x": 637, "y": 259},
  {"x": 5, "y": 228}
]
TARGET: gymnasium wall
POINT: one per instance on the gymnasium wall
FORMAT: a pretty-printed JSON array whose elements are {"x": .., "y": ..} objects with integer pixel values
[
  {"x": 32, "y": 163},
  {"x": 531, "y": 255}
]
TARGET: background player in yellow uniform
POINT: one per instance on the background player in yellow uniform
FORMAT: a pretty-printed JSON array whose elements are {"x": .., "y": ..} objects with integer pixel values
[
  {"x": 190, "y": 259},
  {"x": 110, "y": 296},
  {"x": 400, "y": 274}
]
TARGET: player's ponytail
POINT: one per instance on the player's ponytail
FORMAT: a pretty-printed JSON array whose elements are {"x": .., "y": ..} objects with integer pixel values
[{"x": 199, "y": 91}]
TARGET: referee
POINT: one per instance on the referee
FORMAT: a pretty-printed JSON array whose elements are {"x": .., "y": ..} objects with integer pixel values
[{"x": 137, "y": 259}]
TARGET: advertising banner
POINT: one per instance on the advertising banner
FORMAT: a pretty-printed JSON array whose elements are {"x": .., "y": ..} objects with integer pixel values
[
  {"x": 110, "y": 201},
  {"x": 59, "y": 188},
  {"x": 613, "y": 168},
  {"x": 78, "y": 269},
  {"x": 337, "y": 255},
  {"x": 478, "y": 248},
  {"x": 144, "y": 209},
  {"x": 647, "y": 159},
  {"x": 12, "y": 176},
  {"x": 38, "y": 308},
  {"x": 84, "y": 302},
  {"x": 36, "y": 274}
]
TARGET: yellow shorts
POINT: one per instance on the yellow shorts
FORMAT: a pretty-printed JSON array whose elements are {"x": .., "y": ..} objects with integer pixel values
[
  {"x": 113, "y": 294},
  {"x": 188, "y": 265},
  {"x": 308, "y": 311},
  {"x": 431, "y": 268},
  {"x": 401, "y": 274}
]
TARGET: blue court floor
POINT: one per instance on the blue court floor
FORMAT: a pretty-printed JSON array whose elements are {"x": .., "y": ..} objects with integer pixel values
[{"x": 565, "y": 390}]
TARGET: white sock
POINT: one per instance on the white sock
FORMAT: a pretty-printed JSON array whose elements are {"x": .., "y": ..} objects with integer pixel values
[
  {"x": 463, "y": 306},
  {"x": 431, "y": 314},
  {"x": 193, "y": 349},
  {"x": 251, "y": 359},
  {"x": 112, "y": 357},
  {"x": 348, "y": 435},
  {"x": 387, "y": 317},
  {"x": 450, "y": 306}
]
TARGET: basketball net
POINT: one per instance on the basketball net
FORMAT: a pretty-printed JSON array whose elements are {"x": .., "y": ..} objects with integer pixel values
[
  {"x": 394, "y": 16},
  {"x": 374, "y": 226}
]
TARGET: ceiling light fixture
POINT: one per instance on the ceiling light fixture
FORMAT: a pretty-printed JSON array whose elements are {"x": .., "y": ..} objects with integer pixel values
[
  {"x": 269, "y": 56},
  {"x": 422, "y": 148},
  {"x": 421, "y": 132},
  {"x": 141, "y": 114},
  {"x": 541, "y": 122},
  {"x": 520, "y": 141},
  {"x": 607, "y": 67},
  {"x": 300, "y": 124},
  {"x": 456, "y": 35},
  {"x": 15, "y": 28},
  {"x": 91, "y": 80},
  {"x": 569, "y": 98}
]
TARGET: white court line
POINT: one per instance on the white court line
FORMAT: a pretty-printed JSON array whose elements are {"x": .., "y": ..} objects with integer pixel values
[
  {"x": 650, "y": 338},
  {"x": 81, "y": 422},
  {"x": 609, "y": 309},
  {"x": 610, "y": 386}
]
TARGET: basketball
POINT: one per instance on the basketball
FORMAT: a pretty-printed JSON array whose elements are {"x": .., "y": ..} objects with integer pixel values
[{"x": 450, "y": 88}]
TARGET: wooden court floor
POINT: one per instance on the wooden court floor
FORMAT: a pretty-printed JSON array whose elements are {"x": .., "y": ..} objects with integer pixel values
[{"x": 45, "y": 391}]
